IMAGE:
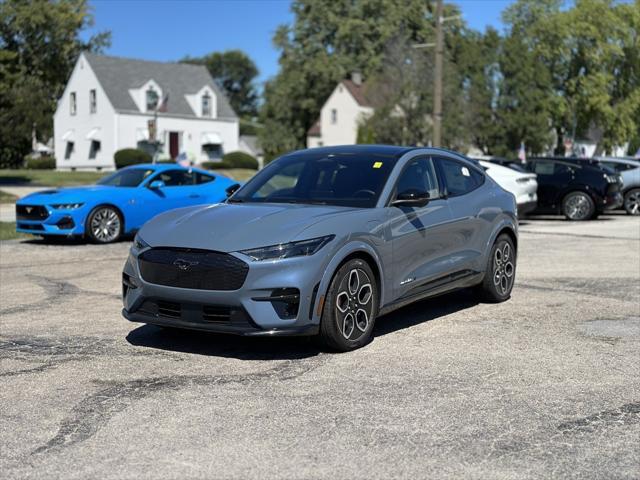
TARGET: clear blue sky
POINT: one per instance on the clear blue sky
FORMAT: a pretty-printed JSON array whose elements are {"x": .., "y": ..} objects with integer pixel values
[{"x": 168, "y": 30}]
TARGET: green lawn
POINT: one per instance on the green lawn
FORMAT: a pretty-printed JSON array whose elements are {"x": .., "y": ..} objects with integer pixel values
[
  {"x": 48, "y": 177},
  {"x": 7, "y": 197},
  {"x": 237, "y": 174},
  {"x": 8, "y": 231}
]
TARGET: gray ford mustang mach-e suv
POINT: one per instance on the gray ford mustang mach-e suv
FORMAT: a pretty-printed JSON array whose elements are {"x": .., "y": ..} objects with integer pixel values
[{"x": 323, "y": 241}]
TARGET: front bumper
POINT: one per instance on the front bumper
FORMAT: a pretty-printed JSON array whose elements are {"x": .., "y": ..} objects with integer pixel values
[
  {"x": 57, "y": 222},
  {"x": 243, "y": 311}
]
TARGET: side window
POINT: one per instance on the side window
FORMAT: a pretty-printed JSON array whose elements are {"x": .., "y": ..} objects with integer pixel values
[
  {"x": 544, "y": 168},
  {"x": 203, "y": 178},
  {"x": 459, "y": 178},
  {"x": 563, "y": 168},
  {"x": 177, "y": 178},
  {"x": 419, "y": 174}
]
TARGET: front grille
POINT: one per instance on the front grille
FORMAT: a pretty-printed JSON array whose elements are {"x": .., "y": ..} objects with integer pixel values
[
  {"x": 30, "y": 226},
  {"x": 216, "y": 313},
  {"x": 191, "y": 268},
  {"x": 31, "y": 212},
  {"x": 169, "y": 309},
  {"x": 197, "y": 313}
]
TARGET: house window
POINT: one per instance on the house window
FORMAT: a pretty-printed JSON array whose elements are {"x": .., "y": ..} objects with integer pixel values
[
  {"x": 94, "y": 149},
  {"x": 206, "y": 105},
  {"x": 334, "y": 116},
  {"x": 93, "y": 105},
  {"x": 72, "y": 103},
  {"x": 152, "y": 99},
  {"x": 213, "y": 151},
  {"x": 68, "y": 151}
]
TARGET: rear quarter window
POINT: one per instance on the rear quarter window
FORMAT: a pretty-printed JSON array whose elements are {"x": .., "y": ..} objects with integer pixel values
[{"x": 459, "y": 178}]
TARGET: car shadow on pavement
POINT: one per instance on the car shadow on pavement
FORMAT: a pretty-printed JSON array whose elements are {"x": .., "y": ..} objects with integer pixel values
[{"x": 290, "y": 348}]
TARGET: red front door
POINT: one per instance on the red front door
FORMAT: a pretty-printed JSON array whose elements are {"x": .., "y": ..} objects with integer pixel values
[{"x": 174, "y": 144}]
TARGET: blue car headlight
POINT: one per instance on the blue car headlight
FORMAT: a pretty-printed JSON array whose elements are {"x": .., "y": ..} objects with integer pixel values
[
  {"x": 301, "y": 248},
  {"x": 67, "y": 206}
]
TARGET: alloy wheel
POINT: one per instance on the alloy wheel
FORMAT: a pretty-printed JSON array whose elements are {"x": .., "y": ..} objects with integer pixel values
[
  {"x": 503, "y": 268},
  {"x": 632, "y": 202},
  {"x": 105, "y": 225},
  {"x": 578, "y": 207},
  {"x": 354, "y": 304}
]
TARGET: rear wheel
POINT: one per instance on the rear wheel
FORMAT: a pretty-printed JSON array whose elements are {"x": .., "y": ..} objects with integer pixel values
[
  {"x": 104, "y": 225},
  {"x": 632, "y": 201},
  {"x": 351, "y": 307},
  {"x": 578, "y": 206},
  {"x": 501, "y": 271}
]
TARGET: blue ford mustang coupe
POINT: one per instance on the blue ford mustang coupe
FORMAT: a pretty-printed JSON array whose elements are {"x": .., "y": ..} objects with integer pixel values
[{"x": 119, "y": 203}]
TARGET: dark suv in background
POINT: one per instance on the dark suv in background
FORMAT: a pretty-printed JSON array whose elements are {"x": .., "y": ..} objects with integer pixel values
[{"x": 577, "y": 189}]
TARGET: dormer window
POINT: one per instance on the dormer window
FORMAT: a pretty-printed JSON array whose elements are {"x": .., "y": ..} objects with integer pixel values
[
  {"x": 152, "y": 99},
  {"x": 72, "y": 103},
  {"x": 206, "y": 105}
]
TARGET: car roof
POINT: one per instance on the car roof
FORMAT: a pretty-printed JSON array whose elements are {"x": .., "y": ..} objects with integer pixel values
[{"x": 155, "y": 166}]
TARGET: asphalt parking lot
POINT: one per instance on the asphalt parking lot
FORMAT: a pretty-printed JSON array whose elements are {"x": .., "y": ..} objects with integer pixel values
[{"x": 544, "y": 385}]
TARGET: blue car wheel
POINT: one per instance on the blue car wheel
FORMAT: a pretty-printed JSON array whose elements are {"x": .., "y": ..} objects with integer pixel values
[{"x": 104, "y": 224}]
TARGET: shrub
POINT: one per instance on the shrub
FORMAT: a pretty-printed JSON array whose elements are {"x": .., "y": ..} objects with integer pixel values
[
  {"x": 44, "y": 162},
  {"x": 216, "y": 165},
  {"x": 130, "y": 156},
  {"x": 240, "y": 160}
]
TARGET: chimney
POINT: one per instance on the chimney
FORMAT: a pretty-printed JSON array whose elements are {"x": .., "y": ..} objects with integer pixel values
[{"x": 356, "y": 77}]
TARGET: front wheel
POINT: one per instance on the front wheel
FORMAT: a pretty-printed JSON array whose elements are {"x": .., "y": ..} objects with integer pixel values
[
  {"x": 501, "y": 271},
  {"x": 104, "y": 225},
  {"x": 632, "y": 201},
  {"x": 351, "y": 307},
  {"x": 578, "y": 206}
]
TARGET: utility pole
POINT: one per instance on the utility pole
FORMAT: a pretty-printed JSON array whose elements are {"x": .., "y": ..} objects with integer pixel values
[{"x": 437, "y": 90}]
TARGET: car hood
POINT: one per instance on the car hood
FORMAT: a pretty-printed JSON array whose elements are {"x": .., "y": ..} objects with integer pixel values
[
  {"x": 65, "y": 195},
  {"x": 229, "y": 227}
]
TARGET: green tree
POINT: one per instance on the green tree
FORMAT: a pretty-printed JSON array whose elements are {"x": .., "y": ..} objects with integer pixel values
[
  {"x": 327, "y": 40},
  {"x": 235, "y": 72},
  {"x": 39, "y": 44}
]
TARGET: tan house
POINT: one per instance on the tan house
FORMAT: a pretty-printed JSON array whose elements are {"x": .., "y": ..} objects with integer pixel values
[{"x": 341, "y": 114}]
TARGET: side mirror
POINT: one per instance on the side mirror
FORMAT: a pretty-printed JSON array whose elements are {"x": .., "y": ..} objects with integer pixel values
[
  {"x": 411, "y": 198},
  {"x": 232, "y": 189},
  {"x": 156, "y": 185}
]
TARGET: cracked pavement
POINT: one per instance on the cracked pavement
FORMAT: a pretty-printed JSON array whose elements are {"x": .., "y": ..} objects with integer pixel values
[{"x": 544, "y": 385}]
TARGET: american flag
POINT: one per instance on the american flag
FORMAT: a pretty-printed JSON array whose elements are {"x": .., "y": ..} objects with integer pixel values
[{"x": 522, "y": 155}]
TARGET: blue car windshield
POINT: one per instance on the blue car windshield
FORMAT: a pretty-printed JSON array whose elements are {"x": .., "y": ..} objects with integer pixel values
[
  {"x": 350, "y": 180},
  {"x": 130, "y": 177}
]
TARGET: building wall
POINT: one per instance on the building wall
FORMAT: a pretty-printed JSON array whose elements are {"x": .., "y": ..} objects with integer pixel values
[
  {"x": 190, "y": 129},
  {"x": 345, "y": 130},
  {"x": 313, "y": 142},
  {"x": 82, "y": 80}
]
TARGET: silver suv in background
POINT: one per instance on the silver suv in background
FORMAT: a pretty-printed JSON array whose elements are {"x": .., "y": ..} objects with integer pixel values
[{"x": 629, "y": 169}]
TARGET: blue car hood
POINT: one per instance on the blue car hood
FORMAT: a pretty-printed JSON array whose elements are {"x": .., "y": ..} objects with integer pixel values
[
  {"x": 228, "y": 227},
  {"x": 65, "y": 195}
]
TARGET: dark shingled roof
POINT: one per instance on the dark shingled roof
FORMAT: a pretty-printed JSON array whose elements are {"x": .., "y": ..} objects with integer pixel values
[
  {"x": 357, "y": 92},
  {"x": 118, "y": 75}
]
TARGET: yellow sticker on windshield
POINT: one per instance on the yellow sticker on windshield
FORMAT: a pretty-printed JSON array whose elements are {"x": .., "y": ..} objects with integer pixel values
[{"x": 377, "y": 165}]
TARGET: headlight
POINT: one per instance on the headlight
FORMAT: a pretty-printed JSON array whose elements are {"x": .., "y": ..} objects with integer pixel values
[
  {"x": 302, "y": 248},
  {"x": 611, "y": 178},
  {"x": 67, "y": 206},
  {"x": 139, "y": 244}
]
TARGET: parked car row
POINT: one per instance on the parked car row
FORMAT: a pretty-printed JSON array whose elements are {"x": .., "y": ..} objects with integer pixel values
[{"x": 582, "y": 189}]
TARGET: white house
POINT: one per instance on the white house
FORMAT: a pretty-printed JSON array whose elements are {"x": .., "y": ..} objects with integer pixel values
[
  {"x": 340, "y": 115},
  {"x": 108, "y": 104}
]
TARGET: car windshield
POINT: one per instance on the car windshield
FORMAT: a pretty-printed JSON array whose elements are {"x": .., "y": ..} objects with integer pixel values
[
  {"x": 350, "y": 180},
  {"x": 130, "y": 177}
]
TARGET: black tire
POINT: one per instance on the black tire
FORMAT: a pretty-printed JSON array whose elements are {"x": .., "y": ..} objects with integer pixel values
[
  {"x": 578, "y": 206},
  {"x": 500, "y": 274},
  {"x": 343, "y": 325},
  {"x": 104, "y": 216},
  {"x": 632, "y": 201}
]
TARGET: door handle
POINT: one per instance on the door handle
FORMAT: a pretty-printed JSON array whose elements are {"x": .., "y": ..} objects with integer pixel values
[{"x": 194, "y": 195}]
